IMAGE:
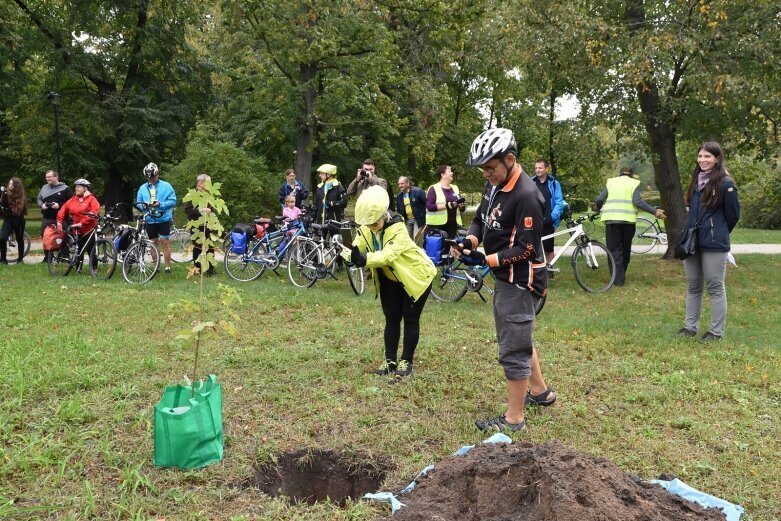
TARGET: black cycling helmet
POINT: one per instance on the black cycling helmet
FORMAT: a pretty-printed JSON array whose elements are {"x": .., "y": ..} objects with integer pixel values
[
  {"x": 491, "y": 144},
  {"x": 151, "y": 170}
]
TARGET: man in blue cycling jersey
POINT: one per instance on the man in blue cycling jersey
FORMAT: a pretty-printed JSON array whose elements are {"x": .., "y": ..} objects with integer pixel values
[{"x": 162, "y": 198}]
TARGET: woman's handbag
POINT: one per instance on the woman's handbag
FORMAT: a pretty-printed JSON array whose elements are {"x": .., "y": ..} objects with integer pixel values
[
  {"x": 188, "y": 431},
  {"x": 687, "y": 243}
]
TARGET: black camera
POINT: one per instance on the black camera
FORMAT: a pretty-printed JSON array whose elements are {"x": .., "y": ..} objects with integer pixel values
[
  {"x": 364, "y": 173},
  {"x": 49, "y": 205},
  {"x": 461, "y": 200}
]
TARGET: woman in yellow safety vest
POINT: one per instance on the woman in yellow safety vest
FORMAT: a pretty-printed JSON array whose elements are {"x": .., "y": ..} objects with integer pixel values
[{"x": 444, "y": 203}]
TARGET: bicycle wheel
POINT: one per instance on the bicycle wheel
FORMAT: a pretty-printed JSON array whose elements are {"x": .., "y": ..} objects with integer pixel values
[
  {"x": 302, "y": 263},
  {"x": 141, "y": 262},
  {"x": 60, "y": 261},
  {"x": 594, "y": 267},
  {"x": 181, "y": 249},
  {"x": 646, "y": 235},
  {"x": 103, "y": 259},
  {"x": 449, "y": 285},
  {"x": 355, "y": 274},
  {"x": 12, "y": 254},
  {"x": 244, "y": 267}
]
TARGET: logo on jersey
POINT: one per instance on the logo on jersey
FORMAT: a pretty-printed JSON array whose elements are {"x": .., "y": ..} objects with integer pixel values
[{"x": 528, "y": 223}]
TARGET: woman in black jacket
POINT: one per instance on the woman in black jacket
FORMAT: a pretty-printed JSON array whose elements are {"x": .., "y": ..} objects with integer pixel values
[
  {"x": 714, "y": 207},
  {"x": 13, "y": 204}
]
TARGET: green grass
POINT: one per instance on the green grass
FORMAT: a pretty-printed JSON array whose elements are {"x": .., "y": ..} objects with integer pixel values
[{"x": 83, "y": 364}]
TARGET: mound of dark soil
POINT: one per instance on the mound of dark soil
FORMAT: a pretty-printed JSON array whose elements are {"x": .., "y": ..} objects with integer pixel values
[{"x": 542, "y": 483}]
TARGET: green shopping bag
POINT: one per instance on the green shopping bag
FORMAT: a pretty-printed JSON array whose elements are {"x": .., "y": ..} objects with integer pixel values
[{"x": 188, "y": 431}]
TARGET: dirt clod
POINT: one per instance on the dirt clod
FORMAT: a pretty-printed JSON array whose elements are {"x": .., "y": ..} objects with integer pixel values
[
  {"x": 313, "y": 475},
  {"x": 547, "y": 482}
]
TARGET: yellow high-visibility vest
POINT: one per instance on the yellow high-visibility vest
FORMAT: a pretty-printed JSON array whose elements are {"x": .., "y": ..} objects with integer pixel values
[
  {"x": 439, "y": 217},
  {"x": 619, "y": 205}
]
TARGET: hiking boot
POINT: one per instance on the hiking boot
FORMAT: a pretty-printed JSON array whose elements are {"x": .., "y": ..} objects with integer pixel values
[
  {"x": 500, "y": 424},
  {"x": 685, "y": 331},
  {"x": 386, "y": 368},
  {"x": 710, "y": 337},
  {"x": 403, "y": 369}
]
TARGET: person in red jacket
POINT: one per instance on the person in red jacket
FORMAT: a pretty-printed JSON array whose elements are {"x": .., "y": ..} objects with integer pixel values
[{"x": 81, "y": 202}]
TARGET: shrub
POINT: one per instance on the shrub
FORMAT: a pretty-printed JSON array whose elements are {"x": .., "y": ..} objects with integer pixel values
[{"x": 248, "y": 188}]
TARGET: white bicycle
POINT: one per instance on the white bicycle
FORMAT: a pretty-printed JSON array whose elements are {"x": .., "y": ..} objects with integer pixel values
[
  {"x": 592, "y": 263},
  {"x": 647, "y": 234}
]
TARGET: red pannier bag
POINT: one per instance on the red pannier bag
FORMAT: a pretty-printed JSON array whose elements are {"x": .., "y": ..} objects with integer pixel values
[{"x": 53, "y": 238}]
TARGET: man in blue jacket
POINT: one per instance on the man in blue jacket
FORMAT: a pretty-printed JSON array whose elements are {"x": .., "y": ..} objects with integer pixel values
[
  {"x": 162, "y": 198},
  {"x": 411, "y": 205},
  {"x": 550, "y": 188}
]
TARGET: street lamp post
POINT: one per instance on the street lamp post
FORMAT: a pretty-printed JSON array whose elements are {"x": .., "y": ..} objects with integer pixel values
[{"x": 54, "y": 99}]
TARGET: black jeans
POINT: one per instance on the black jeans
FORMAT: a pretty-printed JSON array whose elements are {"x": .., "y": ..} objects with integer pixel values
[
  {"x": 619, "y": 242},
  {"x": 398, "y": 306},
  {"x": 13, "y": 225}
]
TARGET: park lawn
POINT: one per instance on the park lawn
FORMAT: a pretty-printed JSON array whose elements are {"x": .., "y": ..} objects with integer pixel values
[{"x": 84, "y": 362}]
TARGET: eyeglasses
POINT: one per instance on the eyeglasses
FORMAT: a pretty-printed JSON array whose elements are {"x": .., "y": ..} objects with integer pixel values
[{"x": 488, "y": 169}]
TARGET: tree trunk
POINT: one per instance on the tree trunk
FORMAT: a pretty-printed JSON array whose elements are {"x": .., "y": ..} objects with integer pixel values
[
  {"x": 116, "y": 191},
  {"x": 551, "y": 124},
  {"x": 307, "y": 125},
  {"x": 661, "y": 137}
]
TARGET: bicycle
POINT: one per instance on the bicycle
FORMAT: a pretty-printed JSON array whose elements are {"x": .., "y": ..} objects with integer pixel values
[
  {"x": 647, "y": 234},
  {"x": 454, "y": 279},
  {"x": 141, "y": 259},
  {"x": 103, "y": 256},
  {"x": 12, "y": 255},
  {"x": 311, "y": 259},
  {"x": 180, "y": 243},
  {"x": 268, "y": 252},
  {"x": 592, "y": 263}
]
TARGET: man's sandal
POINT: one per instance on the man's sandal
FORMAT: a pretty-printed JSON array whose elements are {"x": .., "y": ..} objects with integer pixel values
[{"x": 545, "y": 398}]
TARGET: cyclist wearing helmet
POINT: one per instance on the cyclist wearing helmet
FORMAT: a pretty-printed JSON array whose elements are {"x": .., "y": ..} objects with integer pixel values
[
  {"x": 509, "y": 224},
  {"x": 161, "y": 196},
  {"x": 401, "y": 271},
  {"x": 82, "y": 202}
]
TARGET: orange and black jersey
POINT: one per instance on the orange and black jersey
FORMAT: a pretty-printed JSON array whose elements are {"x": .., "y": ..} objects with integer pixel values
[{"x": 508, "y": 223}]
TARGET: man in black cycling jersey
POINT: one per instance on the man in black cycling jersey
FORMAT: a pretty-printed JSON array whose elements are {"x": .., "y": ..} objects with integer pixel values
[{"x": 509, "y": 224}]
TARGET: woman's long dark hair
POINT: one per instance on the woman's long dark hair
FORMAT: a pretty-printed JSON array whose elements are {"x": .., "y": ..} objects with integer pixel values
[
  {"x": 17, "y": 199},
  {"x": 711, "y": 194}
]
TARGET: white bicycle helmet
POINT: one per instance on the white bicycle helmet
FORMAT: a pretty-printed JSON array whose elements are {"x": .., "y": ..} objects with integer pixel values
[
  {"x": 151, "y": 170},
  {"x": 494, "y": 142},
  {"x": 82, "y": 182}
]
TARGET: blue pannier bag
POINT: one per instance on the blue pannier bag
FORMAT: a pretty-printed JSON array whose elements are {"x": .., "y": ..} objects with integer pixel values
[
  {"x": 238, "y": 241},
  {"x": 122, "y": 241},
  {"x": 434, "y": 247}
]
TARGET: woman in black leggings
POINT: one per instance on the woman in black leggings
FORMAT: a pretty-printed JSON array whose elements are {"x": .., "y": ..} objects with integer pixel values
[{"x": 13, "y": 204}]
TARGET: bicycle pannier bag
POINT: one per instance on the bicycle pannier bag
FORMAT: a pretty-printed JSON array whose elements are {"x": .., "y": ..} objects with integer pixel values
[
  {"x": 122, "y": 241},
  {"x": 238, "y": 242},
  {"x": 188, "y": 428},
  {"x": 687, "y": 244},
  {"x": 434, "y": 247},
  {"x": 53, "y": 238}
]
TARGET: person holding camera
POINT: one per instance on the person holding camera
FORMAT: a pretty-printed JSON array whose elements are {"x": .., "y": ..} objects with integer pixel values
[
  {"x": 52, "y": 196},
  {"x": 366, "y": 177},
  {"x": 292, "y": 186},
  {"x": 13, "y": 205},
  {"x": 444, "y": 203},
  {"x": 402, "y": 274}
]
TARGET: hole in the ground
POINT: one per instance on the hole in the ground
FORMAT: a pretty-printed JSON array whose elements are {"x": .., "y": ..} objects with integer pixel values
[{"x": 312, "y": 475}]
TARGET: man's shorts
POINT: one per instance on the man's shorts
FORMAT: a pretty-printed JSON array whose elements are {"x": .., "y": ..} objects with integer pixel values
[
  {"x": 547, "y": 244},
  {"x": 514, "y": 317},
  {"x": 155, "y": 230}
]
